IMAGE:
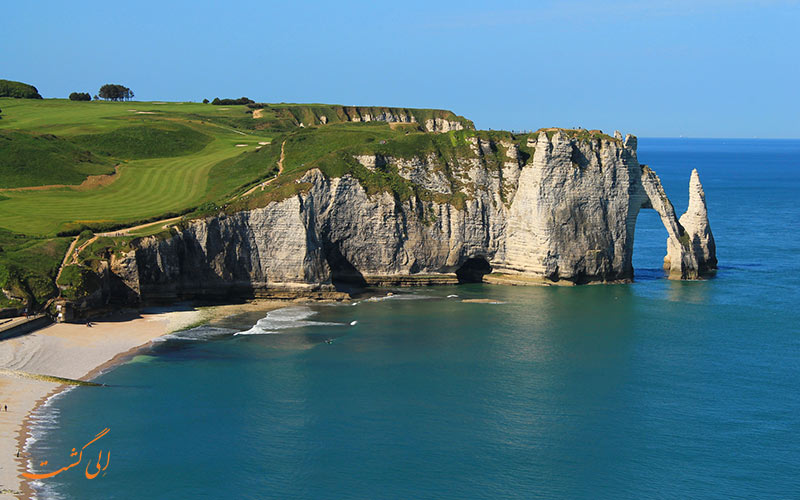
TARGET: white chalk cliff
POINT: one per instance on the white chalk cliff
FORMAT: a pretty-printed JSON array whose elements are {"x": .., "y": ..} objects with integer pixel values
[{"x": 565, "y": 214}]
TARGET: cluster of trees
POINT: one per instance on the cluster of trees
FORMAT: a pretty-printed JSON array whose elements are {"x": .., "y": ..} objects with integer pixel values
[
  {"x": 231, "y": 102},
  {"x": 19, "y": 90},
  {"x": 80, "y": 96},
  {"x": 114, "y": 92}
]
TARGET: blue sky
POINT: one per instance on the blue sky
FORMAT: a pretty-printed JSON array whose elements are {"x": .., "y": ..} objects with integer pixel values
[{"x": 692, "y": 68}]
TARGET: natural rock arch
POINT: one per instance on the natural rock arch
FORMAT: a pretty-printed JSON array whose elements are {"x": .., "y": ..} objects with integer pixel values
[{"x": 691, "y": 250}]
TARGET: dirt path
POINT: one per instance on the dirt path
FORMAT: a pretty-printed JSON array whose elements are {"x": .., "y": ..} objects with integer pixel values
[
  {"x": 72, "y": 256},
  {"x": 82, "y": 248},
  {"x": 64, "y": 262},
  {"x": 267, "y": 182},
  {"x": 126, "y": 231}
]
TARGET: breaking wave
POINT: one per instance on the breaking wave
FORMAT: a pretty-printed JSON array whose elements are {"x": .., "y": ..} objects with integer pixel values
[{"x": 282, "y": 319}]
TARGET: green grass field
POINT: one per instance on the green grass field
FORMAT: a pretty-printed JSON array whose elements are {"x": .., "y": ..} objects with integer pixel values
[
  {"x": 153, "y": 160},
  {"x": 166, "y": 160},
  {"x": 30, "y": 159},
  {"x": 172, "y": 157}
]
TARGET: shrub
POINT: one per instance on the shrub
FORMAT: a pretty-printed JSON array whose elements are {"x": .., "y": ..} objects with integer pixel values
[
  {"x": 205, "y": 101},
  {"x": 80, "y": 96}
]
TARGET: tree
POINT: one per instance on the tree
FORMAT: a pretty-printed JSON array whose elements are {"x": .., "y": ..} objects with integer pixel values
[
  {"x": 19, "y": 90},
  {"x": 205, "y": 101},
  {"x": 80, "y": 96},
  {"x": 232, "y": 102},
  {"x": 115, "y": 92}
]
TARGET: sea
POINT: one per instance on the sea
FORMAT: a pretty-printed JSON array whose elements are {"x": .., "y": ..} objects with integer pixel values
[{"x": 652, "y": 390}]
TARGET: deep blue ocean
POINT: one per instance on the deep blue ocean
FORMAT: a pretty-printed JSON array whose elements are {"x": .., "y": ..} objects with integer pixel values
[{"x": 658, "y": 389}]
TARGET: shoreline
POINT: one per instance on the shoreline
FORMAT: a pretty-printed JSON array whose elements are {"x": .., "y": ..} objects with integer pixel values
[{"x": 65, "y": 349}]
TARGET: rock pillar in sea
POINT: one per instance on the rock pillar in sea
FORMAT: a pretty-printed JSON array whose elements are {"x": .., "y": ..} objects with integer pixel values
[
  {"x": 698, "y": 231},
  {"x": 691, "y": 250}
]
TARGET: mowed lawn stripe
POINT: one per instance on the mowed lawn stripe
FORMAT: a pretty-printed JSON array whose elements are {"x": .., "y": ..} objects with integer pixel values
[{"x": 145, "y": 188}]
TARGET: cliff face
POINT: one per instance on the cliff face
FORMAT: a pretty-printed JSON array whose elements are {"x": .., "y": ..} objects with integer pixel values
[
  {"x": 429, "y": 120},
  {"x": 565, "y": 214}
]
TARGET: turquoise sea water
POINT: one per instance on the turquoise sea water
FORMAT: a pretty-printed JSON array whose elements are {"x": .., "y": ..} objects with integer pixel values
[{"x": 657, "y": 389}]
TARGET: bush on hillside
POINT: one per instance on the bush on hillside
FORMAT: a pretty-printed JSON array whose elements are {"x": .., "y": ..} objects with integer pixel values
[
  {"x": 231, "y": 102},
  {"x": 80, "y": 96},
  {"x": 19, "y": 90}
]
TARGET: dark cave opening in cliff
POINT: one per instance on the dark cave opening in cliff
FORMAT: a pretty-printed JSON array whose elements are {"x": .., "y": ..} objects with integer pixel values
[
  {"x": 473, "y": 270},
  {"x": 344, "y": 275}
]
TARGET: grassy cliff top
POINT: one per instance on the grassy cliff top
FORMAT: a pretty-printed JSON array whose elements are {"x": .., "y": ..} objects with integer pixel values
[
  {"x": 67, "y": 166},
  {"x": 580, "y": 134}
]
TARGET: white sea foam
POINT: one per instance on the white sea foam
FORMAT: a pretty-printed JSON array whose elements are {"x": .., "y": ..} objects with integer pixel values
[
  {"x": 252, "y": 331},
  {"x": 399, "y": 296},
  {"x": 197, "y": 333},
  {"x": 42, "y": 421},
  {"x": 282, "y": 319},
  {"x": 44, "y": 418}
]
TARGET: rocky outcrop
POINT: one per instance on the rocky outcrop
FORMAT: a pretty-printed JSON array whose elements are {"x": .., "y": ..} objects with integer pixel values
[
  {"x": 442, "y": 125},
  {"x": 566, "y": 214},
  {"x": 698, "y": 232},
  {"x": 446, "y": 122}
]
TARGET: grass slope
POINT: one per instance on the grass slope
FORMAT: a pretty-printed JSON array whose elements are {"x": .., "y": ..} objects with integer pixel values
[
  {"x": 30, "y": 159},
  {"x": 144, "y": 189},
  {"x": 159, "y": 140},
  {"x": 28, "y": 267},
  {"x": 174, "y": 157}
]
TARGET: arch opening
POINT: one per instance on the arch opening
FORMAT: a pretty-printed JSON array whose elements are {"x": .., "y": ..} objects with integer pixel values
[
  {"x": 647, "y": 258},
  {"x": 473, "y": 270}
]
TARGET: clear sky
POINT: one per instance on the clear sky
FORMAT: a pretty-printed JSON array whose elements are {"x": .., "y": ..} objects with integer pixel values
[{"x": 654, "y": 68}]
